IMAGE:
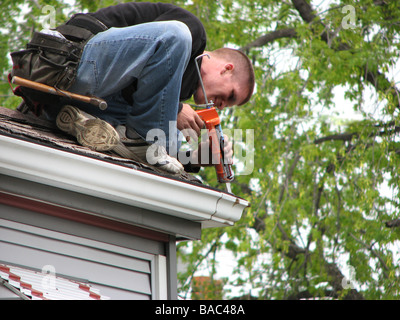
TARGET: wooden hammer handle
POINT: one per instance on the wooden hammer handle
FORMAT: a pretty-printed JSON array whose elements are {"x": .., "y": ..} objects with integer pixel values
[{"x": 100, "y": 103}]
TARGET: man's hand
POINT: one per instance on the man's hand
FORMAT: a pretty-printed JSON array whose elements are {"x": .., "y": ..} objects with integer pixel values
[
  {"x": 189, "y": 119},
  {"x": 204, "y": 147}
]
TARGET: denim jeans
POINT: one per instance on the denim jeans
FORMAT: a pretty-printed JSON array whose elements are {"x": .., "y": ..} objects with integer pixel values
[{"x": 155, "y": 54}]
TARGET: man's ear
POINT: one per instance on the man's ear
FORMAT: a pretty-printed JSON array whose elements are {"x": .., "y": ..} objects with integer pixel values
[{"x": 227, "y": 67}]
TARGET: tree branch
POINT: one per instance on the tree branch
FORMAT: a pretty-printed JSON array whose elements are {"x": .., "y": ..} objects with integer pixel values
[
  {"x": 377, "y": 79},
  {"x": 393, "y": 223},
  {"x": 270, "y": 37},
  {"x": 347, "y": 136},
  {"x": 336, "y": 137},
  {"x": 289, "y": 176},
  {"x": 305, "y": 10},
  {"x": 374, "y": 253},
  {"x": 336, "y": 282},
  {"x": 374, "y": 77}
]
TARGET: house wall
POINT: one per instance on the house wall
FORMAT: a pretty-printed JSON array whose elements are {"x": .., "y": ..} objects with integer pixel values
[
  {"x": 119, "y": 272},
  {"x": 98, "y": 247}
]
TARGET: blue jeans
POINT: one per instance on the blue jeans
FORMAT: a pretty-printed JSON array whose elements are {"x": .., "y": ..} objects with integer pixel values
[{"x": 155, "y": 54}]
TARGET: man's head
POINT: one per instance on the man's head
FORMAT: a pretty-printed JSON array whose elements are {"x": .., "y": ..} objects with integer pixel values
[{"x": 228, "y": 78}]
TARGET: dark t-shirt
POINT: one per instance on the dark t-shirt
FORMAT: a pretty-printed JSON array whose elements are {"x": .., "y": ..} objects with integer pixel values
[{"x": 133, "y": 13}]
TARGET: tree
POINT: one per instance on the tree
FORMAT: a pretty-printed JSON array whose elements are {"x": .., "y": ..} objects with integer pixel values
[
  {"x": 324, "y": 192},
  {"x": 324, "y": 214}
]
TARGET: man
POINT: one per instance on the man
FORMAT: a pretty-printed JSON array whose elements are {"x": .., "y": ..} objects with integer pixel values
[{"x": 143, "y": 65}]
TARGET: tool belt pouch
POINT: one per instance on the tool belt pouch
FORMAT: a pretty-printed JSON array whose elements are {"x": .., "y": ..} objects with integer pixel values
[
  {"x": 47, "y": 59},
  {"x": 53, "y": 60}
]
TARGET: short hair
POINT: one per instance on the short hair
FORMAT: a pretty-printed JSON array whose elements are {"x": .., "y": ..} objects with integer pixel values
[{"x": 243, "y": 66}]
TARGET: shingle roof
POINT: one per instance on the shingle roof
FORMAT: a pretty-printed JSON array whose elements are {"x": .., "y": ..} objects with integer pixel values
[{"x": 32, "y": 128}]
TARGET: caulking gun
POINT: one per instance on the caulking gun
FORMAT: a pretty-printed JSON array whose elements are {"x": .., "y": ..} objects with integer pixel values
[{"x": 216, "y": 137}]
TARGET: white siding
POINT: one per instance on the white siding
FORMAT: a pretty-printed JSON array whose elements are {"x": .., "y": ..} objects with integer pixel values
[{"x": 118, "y": 272}]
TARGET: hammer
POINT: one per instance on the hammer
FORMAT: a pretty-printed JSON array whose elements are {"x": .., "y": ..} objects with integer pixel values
[{"x": 100, "y": 103}]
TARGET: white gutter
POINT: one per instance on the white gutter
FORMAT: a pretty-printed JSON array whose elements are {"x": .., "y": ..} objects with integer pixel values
[{"x": 98, "y": 178}]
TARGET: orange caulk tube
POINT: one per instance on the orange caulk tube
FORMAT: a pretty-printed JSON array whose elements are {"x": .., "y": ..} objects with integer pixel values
[{"x": 213, "y": 125}]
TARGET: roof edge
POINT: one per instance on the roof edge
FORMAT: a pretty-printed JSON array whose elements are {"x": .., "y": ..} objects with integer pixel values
[{"x": 98, "y": 178}]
